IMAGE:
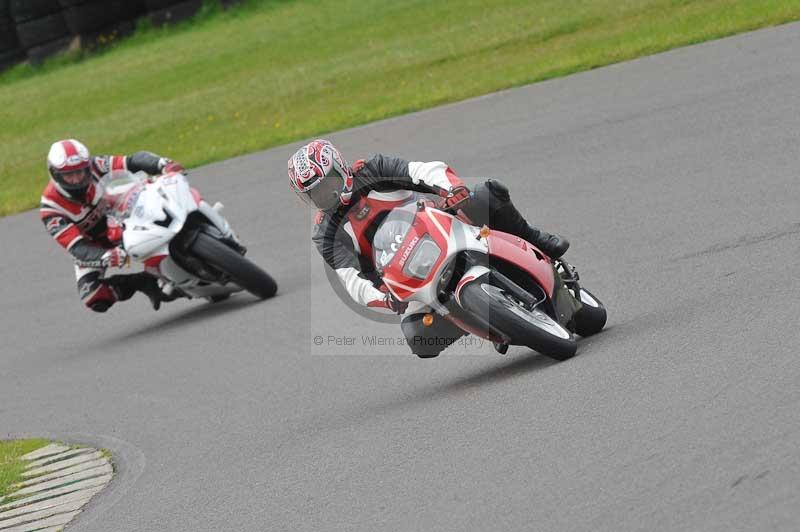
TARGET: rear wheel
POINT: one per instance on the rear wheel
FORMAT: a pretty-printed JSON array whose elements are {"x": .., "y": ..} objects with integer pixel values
[
  {"x": 591, "y": 318},
  {"x": 240, "y": 269},
  {"x": 529, "y": 327},
  {"x": 42, "y": 30}
]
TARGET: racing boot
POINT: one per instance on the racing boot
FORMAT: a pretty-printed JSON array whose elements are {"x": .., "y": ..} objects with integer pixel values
[
  {"x": 127, "y": 285},
  {"x": 492, "y": 198},
  {"x": 553, "y": 245}
]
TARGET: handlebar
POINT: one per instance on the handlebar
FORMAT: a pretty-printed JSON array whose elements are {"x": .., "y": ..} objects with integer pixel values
[{"x": 452, "y": 208}]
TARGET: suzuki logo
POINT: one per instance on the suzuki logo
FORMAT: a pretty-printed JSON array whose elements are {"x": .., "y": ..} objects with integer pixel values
[{"x": 407, "y": 252}]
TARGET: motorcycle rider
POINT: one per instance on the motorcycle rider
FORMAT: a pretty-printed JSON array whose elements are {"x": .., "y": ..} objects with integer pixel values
[
  {"x": 73, "y": 209},
  {"x": 344, "y": 226}
]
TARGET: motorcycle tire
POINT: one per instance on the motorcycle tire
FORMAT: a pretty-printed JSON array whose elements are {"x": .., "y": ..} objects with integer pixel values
[
  {"x": 72, "y": 3},
  {"x": 8, "y": 35},
  {"x": 531, "y": 328},
  {"x": 10, "y": 58},
  {"x": 99, "y": 15},
  {"x": 175, "y": 13},
  {"x": 109, "y": 34},
  {"x": 41, "y": 30},
  {"x": 592, "y": 316},
  {"x": 25, "y": 10},
  {"x": 240, "y": 269},
  {"x": 154, "y": 5},
  {"x": 38, "y": 54}
]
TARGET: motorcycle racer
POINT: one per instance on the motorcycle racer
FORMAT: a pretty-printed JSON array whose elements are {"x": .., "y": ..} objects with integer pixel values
[
  {"x": 74, "y": 212},
  {"x": 352, "y": 201}
]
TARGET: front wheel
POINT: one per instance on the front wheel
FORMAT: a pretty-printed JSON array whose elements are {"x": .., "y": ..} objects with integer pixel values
[
  {"x": 240, "y": 269},
  {"x": 529, "y": 327}
]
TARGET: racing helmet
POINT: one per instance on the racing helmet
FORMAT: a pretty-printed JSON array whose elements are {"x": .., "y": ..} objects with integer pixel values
[
  {"x": 69, "y": 168},
  {"x": 320, "y": 176}
]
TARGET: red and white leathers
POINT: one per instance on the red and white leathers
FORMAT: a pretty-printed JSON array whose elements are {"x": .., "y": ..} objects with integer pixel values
[
  {"x": 80, "y": 226},
  {"x": 344, "y": 237}
]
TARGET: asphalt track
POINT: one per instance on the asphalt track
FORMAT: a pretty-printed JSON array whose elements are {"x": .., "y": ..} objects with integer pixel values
[{"x": 676, "y": 178}]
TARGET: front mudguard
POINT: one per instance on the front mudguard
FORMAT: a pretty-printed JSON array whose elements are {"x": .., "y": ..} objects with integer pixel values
[
  {"x": 529, "y": 259},
  {"x": 564, "y": 304},
  {"x": 524, "y": 256},
  {"x": 180, "y": 246}
]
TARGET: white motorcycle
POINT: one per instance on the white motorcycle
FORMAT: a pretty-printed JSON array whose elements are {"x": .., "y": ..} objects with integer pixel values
[{"x": 181, "y": 239}]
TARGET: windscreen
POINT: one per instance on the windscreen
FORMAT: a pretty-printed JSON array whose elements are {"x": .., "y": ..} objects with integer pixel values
[{"x": 122, "y": 189}]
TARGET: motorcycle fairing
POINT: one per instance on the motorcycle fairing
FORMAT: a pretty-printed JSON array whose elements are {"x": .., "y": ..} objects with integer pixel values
[
  {"x": 525, "y": 256},
  {"x": 450, "y": 234},
  {"x": 157, "y": 216}
]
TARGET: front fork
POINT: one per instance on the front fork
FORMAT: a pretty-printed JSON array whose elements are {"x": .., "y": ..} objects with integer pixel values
[
  {"x": 564, "y": 308},
  {"x": 569, "y": 275},
  {"x": 213, "y": 214},
  {"x": 477, "y": 269}
]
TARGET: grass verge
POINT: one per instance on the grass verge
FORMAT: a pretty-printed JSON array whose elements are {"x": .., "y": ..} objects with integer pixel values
[
  {"x": 11, "y": 466},
  {"x": 275, "y": 71}
]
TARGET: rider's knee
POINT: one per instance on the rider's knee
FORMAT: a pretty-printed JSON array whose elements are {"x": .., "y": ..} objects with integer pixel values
[
  {"x": 491, "y": 192},
  {"x": 427, "y": 347},
  {"x": 428, "y": 341},
  {"x": 498, "y": 189},
  {"x": 101, "y": 300},
  {"x": 487, "y": 198},
  {"x": 96, "y": 296}
]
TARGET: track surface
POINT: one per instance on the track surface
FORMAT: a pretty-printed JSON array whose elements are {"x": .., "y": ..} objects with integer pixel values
[{"x": 676, "y": 178}]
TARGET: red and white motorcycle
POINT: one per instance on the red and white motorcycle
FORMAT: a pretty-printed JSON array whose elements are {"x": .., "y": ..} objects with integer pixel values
[
  {"x": 182, "y": 239},
  {"x": 488, "y": 283}
]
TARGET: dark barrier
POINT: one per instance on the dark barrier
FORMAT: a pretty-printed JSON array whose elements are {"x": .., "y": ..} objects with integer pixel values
[
  {"x": 37, "y": 29},
  {"x": 41, "y": 29},
  {"x": 10, "y": 50}
]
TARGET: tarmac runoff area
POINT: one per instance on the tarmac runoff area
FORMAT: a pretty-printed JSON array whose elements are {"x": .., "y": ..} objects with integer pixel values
[{"x": 57, "y": 483}]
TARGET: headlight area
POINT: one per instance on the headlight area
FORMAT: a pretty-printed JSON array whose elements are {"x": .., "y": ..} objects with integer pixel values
[{"x": 422, "y": 260}]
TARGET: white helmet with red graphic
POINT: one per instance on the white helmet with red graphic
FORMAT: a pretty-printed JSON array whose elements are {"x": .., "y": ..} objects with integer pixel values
[
  {"x": 68, "y": 164},
  {"x": 320, "y": 176}
]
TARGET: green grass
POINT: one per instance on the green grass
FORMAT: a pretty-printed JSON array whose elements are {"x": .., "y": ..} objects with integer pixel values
[
  {"x": 276, "y": 71},
  {"x": 11, "y": 467}
]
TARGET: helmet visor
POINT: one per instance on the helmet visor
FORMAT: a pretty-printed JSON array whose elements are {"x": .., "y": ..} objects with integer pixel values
[
  {"x": 73, "y": 179},
  {"x": 326, "y": 192}
]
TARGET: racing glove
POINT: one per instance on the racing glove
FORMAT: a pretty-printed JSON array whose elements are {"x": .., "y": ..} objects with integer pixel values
[
  {"x": 357, "y": 166},
  {"x": 389, "y": 302},
  {"x": 168, "y": 166},
  {"x": 114, "y": 258}
]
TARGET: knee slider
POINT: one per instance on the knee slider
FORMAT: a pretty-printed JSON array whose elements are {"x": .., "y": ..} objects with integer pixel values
[
  {"x": 426, "y": 347},
  {"x": 429, "y": 342},
  {"x": 95, "y": 294},
  {"x": 418, "y": 337},
  {"x": 99, "y": 306}
]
